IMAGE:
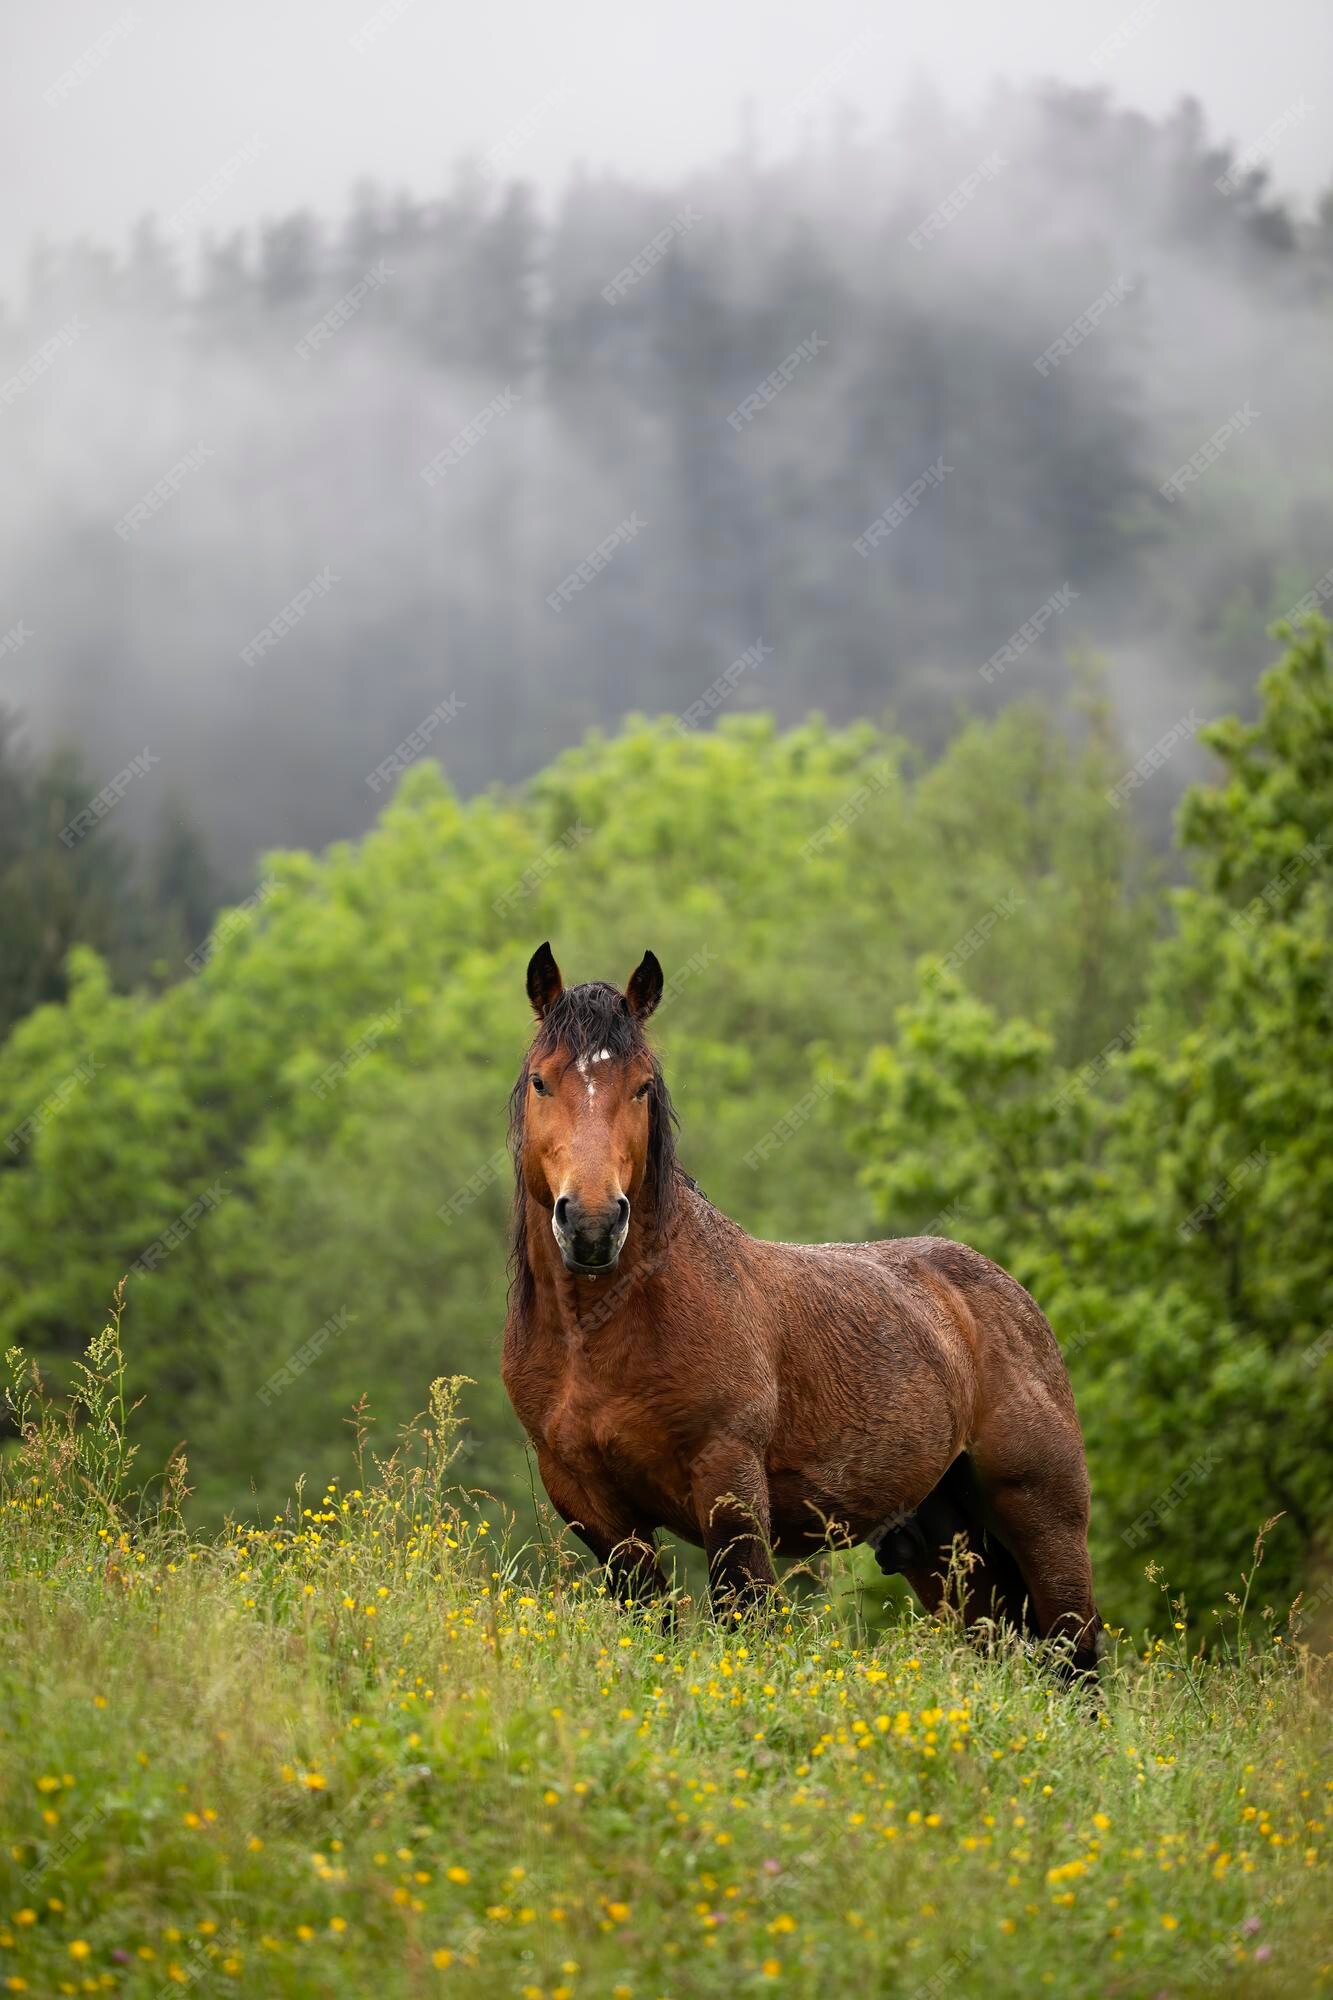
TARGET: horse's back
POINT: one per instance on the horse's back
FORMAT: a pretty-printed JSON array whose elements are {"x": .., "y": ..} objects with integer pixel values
[
  {"x": 924, "y": 1301},
  {"x": 998, "y": 1304}
]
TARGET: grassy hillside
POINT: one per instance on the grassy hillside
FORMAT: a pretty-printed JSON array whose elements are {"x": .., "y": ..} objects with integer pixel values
[{"x": 378, "y": 1747}]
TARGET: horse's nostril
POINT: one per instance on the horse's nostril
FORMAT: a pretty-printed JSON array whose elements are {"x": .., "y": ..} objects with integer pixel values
[
  {"x": 562, "y": 1212},
  {"x": 622, "y": 1211}
]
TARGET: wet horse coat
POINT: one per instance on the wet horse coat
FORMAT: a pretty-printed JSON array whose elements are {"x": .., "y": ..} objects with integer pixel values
[{"x": 756, "y": 1398}]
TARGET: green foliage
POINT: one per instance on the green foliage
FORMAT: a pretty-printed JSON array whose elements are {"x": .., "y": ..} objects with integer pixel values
[
  {"x": 1171, "y": 1206},
  {"x": 374, "y": 1746},
  {"x": 337, "y": 1073}
]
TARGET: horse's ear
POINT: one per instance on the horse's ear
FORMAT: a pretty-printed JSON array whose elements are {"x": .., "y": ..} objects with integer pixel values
[
  {"x": 645, "y": 986},
  {"x": 544, "y": 982}
]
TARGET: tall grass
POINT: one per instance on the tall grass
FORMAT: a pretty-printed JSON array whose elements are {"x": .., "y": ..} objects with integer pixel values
[{"x": 382, "y": 1745}]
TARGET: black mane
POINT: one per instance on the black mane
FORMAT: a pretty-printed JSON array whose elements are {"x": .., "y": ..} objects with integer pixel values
[{"x": 581, "y": 1023}]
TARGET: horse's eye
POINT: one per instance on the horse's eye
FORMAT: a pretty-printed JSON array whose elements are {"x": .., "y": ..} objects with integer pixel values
[
  {"x": 540, "y": 1087},
  {"x": 643, "y": 1089}
]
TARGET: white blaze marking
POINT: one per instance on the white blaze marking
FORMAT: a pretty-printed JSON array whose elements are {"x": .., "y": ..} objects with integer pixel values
[{"x": 603, "y": 1055}]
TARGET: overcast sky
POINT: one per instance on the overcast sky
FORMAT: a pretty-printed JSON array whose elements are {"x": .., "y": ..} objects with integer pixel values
[{"x": 108, "y": 110}]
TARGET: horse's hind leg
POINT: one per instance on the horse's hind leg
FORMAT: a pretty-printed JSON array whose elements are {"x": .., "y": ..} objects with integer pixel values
[
  {"x": 1035, "y": 1498},
  {"x": 922, "y": 1549}
]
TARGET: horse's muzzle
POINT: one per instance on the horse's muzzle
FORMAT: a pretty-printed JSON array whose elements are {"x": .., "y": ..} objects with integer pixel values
[{"x": 590, "y": 1241}]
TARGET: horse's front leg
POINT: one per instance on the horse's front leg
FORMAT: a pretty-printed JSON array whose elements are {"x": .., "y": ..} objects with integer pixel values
[
  {"x": 730, "y": 1490},
  {"x": 625, "y": 1548}
]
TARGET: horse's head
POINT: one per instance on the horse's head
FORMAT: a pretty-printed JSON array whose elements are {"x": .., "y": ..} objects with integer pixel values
[{"x": 592, "y": 1120}]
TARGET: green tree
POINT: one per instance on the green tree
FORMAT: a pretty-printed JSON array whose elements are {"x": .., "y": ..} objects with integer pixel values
[{"x": 1171, "y": 1203}]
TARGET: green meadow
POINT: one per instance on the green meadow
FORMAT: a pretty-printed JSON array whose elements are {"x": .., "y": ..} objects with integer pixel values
[{"x": 378, "y": 1744}]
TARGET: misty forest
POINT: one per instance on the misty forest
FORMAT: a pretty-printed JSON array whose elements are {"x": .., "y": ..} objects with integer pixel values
[{"x": 297, "y": 511}]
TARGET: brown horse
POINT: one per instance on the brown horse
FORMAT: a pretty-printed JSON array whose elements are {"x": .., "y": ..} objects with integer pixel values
[{"x": 752, "y": 1397}]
